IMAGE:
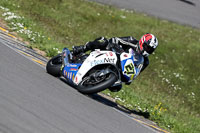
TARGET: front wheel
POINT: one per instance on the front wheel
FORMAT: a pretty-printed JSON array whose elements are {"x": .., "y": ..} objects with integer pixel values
[
  {"x": 91, "y": 84},
  {"x": 54, "y": 65}
]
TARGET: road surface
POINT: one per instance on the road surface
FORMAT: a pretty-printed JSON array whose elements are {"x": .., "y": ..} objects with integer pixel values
[
  {"x": 185, "y": 12},
  {"x": 32, "y": 101}
]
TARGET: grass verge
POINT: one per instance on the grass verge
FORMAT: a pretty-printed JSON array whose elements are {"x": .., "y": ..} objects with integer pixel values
[{"x": 167, "y": 91}]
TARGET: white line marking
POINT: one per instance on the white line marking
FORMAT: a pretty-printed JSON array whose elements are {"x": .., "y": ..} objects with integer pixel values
[{"x": 4, "y": 43}]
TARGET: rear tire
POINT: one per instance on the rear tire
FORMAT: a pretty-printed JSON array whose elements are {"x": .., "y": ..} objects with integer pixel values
[
  {"x": 110, "y": 80},
  {"x": 54, "y": 65}
]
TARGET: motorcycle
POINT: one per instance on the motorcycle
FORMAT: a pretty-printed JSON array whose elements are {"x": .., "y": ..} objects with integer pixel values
[{"x": 94, "y": 72}]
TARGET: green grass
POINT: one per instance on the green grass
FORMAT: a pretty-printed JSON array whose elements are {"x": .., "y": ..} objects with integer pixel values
[{"x": 168, "y": 90}]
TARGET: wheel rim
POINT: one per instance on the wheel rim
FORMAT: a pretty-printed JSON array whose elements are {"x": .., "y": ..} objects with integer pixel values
[
  {"x": 57, "y": 61},
  {"x": 92, "y": 80}
]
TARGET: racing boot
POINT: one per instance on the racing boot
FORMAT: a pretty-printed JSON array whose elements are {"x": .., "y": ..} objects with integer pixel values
[
  {"x": 115, "y": 88},
  {"x": 78, "y": 49}
]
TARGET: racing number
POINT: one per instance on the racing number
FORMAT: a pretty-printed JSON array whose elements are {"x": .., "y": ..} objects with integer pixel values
[{"x": 130, "y": 68}]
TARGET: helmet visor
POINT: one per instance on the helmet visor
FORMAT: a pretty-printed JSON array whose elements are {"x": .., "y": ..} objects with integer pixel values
[{"x": 148, "y": 49}]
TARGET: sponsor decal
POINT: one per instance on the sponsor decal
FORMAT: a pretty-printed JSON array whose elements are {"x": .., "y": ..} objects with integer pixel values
[
  {"x": 73, "y": 69},
  {"x": 111, "y": 54},
  {"x": 73, "y": 77},
  {"x": 71, "y": 65},
  {"x": 65, "y": 73},
  {"x": 105, "y": 60},
  {"x": 96, "y": 62},
  {"x": 68, "y": 75},
  {"x": 109, "y": 60}
]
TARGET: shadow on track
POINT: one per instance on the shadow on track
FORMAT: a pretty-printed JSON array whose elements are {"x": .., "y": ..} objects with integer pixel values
[
  {"x": 188, "y": 2},
  {"x": 112, "y": 104}
]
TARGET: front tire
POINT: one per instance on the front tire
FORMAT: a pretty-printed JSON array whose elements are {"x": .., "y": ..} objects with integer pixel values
[
  {"x": 109, "y": 81},
  {"x": 54, "y": 65}
]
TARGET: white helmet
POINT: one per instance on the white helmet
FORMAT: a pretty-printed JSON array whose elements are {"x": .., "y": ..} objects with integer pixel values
[{"x": 147, "y": 44}]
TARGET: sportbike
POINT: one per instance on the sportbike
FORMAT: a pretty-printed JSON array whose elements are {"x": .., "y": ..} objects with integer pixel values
[{"x": 96, "y": 71}]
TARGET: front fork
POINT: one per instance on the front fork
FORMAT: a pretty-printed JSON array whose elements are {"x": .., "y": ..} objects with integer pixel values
[{"x": 66, "y": 56}]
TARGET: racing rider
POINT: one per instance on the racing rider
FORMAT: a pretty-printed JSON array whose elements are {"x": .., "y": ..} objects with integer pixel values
[{"x": 142, "y": 49}]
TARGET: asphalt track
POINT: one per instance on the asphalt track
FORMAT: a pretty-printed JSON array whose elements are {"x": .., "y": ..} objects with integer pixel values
[
  {"x": 186, "y": 12},
  {"x": 32, "y": 101}
]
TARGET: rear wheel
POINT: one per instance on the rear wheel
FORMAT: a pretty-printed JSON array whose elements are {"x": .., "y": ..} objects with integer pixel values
[
  {"x": 96, "y": 81},
  {"x": 54, "y": 65}
]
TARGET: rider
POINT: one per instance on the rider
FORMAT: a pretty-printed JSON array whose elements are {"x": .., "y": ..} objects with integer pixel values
[{"x": 143, "y": 47}]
